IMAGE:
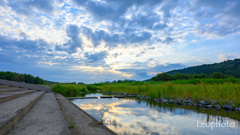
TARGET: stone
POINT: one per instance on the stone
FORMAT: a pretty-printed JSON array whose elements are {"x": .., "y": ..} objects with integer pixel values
[
  {"x": 214, "y": 102},
  {"x": 228, "y": 107},
  {"x": 171, "y": 101},
  {"x": 217, "y": 106},
  {"x": 188, "y": 101},
  {"x": 164, "y": 100},
  {"x": 237, "y": 109},
  {"x": 185, "y": 101},
  {"x": 208, "y": 106},
  {"x": 201, "y": 102},
  {"x": 178, "y": 101}
]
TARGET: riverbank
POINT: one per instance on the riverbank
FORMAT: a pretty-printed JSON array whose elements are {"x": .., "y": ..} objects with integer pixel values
[{"x": 204, "y": 93}]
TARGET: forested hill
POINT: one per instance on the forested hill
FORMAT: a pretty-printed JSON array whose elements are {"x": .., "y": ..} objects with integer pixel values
[
  {"x": 230, "y": 67},
  {"x": 12, "y": 76}
]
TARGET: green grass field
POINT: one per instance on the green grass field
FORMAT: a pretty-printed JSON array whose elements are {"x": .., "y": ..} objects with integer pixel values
[
  {"x": 224, "y": 91},
  {"x": 69, "y": 90}
]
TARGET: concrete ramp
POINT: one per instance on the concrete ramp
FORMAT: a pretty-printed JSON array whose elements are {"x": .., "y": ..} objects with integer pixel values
[
  {"x": 25, "y": 85},
  {"x": 84, "y": 123},
  {"x": 27, "y": 109},
  {"x": 45, "y": 118},
  {"x": 30, "y": 112}
]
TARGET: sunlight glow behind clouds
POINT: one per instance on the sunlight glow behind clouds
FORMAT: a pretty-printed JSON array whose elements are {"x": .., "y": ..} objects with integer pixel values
[{"x": 118, "y": 39}]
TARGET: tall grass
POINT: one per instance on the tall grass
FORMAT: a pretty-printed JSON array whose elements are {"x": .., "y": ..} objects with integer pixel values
[
  {"x": 69, "y": 90},
  {"x": 225, "y": 91}
]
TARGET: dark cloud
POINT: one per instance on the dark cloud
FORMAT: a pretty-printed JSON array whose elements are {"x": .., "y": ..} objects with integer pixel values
[
  {"x": 143, "y": 13},
  {"x": 167, "y": 67},
  {"x": 96, "y": 58},
  {"x": 9, "y": 43},
  {"x": 143, "y": 16},
  {"x": 99, "y": 35},
  {"x": 138, "y": 37},
  {"x": 113, "y": 39},
  {"x": 73, "y": 32}
]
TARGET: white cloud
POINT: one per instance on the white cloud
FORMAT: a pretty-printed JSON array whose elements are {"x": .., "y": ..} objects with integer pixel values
[
  {"x": 126, "y": 40},
  {"x": 228, "y": 56}
]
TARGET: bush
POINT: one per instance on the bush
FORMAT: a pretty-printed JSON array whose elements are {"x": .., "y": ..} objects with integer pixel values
[{"x": 69, "y": 90}]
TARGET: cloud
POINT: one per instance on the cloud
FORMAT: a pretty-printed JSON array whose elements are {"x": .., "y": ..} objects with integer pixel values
[
  {"x": 96, "y": 58},
  {"x": 29, "y": 7},
  {"x": 14, "y": 44},
  {"x": 146, "y": 72},
  {"x": 139, "y": 37},
  {"x": 136, "y": 15},
  {"x": 168, "y": 40},
  {"x": 117, "y": 39},
  {"x": 218, "y": 17},
  {"x": 167, "y": 67},
  {"x": 99, "y": 35},
  {"x": 228, "y": 56},
  {"x": 73, "y": 32},
  {"x": 138, "y": 74},
  {"x": 113, "y": 39},
  {"x": 2, "y": 2}
]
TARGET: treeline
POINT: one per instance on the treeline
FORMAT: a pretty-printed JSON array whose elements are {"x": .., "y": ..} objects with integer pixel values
[
  {"x": 178, "y": 76},
  {"x": 229, "y": 67},
  {"x": 27, "y": 78}
]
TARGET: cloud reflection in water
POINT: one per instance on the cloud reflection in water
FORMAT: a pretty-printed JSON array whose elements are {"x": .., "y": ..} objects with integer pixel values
[{"x": 125, "y": 116}]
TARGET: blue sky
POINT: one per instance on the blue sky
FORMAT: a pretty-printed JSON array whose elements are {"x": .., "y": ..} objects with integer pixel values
[{"x": 104, "y": 40}]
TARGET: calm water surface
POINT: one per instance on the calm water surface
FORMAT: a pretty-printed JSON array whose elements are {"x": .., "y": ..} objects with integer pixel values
[{"x": 130, "y": 116}]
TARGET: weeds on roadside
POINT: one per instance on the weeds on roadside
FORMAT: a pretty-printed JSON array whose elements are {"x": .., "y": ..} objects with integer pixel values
[{"x": 71, "y": 125}]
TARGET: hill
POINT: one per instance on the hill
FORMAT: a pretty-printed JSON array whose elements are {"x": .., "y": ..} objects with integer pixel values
[
  {"x": 12, "y": 76},
  {"x": 229, "y": 67}
]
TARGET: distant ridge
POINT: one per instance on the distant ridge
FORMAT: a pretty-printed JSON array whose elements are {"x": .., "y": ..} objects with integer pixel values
[{"x": 229, "y": 67}]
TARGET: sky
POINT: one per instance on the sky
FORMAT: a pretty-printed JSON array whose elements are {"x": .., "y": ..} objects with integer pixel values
[{"x": 104, "y": 40}]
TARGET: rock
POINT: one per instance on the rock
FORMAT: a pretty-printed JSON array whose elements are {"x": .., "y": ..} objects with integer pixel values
[
  {"x": 178, "y": 101},
  {"x": 201, "y": 102},
  {"x": 217, "y": 106},
  {"x": 171, "y": 101},
  {"x": 228, "y": 107},
  {"x": 185, "y": 101},
  {"x": 164, "y": 100},
  {"x": 237, "y": 109},
  {"x": 208, "y": 106},
  {"x": 214, "y": 102},
  {"x": 206, "y": 101}
]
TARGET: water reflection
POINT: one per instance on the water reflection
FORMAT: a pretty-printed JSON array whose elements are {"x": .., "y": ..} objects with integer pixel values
[{"x": 129, "y": 116}]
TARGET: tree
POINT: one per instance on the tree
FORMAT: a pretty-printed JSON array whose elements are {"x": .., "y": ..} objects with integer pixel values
[{"x": 218, "y": 75}]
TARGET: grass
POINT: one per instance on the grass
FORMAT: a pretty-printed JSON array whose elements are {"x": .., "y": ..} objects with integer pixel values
[
  {"x": 224, "y": 91},
  {"x": 217, "y": 113},
  {"x": 71, "y": 125},
  {"x": 69, "y": 90}
]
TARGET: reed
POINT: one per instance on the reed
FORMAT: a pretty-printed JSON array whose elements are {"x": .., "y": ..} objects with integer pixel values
[{"x": 223, "y": 91}]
